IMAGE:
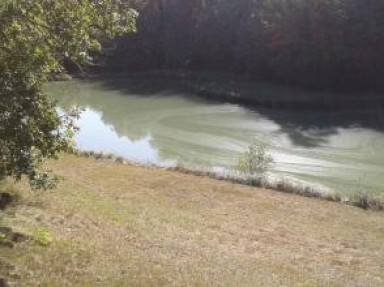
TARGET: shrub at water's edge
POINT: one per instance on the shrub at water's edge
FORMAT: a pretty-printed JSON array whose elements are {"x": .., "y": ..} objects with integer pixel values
[{"x": 255, "y": 160}]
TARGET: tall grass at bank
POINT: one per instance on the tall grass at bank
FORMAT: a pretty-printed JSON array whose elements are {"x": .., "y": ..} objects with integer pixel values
[{"x": 361, "y": 197}]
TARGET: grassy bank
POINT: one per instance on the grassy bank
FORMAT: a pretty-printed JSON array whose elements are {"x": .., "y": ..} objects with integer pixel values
[
  {"x": 359, "y": 197},
  {"x": 109, "y": 224}
]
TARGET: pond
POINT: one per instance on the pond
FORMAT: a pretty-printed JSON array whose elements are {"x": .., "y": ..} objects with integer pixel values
[{"x": 341, "y": 149}]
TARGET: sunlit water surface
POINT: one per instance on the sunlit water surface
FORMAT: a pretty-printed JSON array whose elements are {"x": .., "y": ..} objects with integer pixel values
[{"x": 341, "y": 150}]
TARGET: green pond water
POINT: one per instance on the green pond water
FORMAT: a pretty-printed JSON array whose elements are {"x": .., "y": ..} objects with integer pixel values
[{"x": 340, "y": 150}]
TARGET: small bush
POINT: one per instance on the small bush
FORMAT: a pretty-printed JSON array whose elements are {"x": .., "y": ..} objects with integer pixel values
[
  {"x": 46, "y": 180},
  {"x": 255, "y": 160},
  {"x": 42, "y": 237}
]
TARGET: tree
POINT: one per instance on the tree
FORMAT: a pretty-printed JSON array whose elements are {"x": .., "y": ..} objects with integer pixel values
[
  {"x": 324, "y": 44},
  {"x": 35, "y": 37}
]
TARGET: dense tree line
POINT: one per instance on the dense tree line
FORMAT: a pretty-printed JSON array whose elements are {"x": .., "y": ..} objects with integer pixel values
[{"x": 315, "y": 43}]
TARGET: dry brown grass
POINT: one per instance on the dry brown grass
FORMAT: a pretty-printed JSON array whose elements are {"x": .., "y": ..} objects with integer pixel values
[{"x": 122, "y": 225}]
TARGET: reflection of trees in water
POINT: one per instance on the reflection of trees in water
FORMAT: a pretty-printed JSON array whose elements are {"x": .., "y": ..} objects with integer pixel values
[
  {"x": 307, "y": 128},
  {"x": 148, "y": 113},
  {"x": 136, "y": 118},
  {"x": 310, "y": 129}
]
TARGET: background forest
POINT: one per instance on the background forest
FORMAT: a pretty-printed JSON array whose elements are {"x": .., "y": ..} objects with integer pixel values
[{"x": 318, "y": 44}]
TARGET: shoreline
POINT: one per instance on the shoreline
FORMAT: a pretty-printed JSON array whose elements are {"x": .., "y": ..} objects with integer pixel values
[
  {"x": 361, "y": 198},
  {"x": 234, "y": 89}
]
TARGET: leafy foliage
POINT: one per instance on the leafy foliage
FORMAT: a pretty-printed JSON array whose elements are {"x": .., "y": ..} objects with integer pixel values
[
  {"x": 255, "y": 160},
  {"x": 314, "y": 43},
  {"x": 42, "y": 237},
  {"x": 35, "y": 38}
]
